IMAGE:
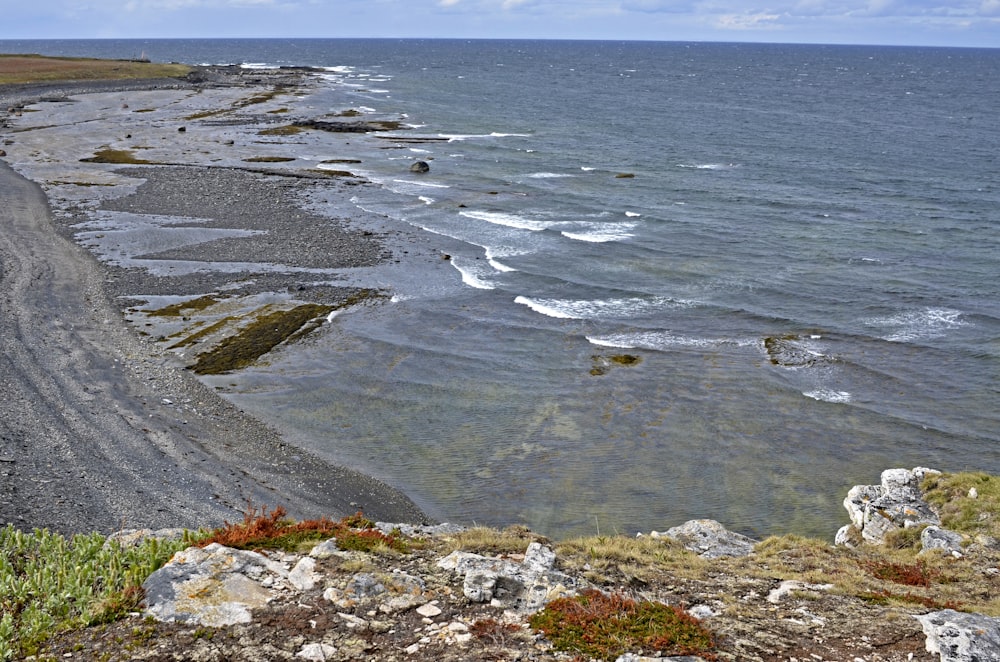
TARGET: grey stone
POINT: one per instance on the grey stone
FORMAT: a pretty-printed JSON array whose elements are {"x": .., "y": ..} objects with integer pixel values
[
  {"x": 709, "y": 539},
  {"x": 523, "y": 587},
  {"x": 961, "y": 637},
  {"x": 934, "y": 537}
]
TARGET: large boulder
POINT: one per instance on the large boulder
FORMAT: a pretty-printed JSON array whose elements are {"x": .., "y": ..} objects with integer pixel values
[{"x": 214, "y": 586}]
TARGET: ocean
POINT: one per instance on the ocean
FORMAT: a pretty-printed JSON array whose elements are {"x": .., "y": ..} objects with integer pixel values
[{"x": 682, "y": 280}]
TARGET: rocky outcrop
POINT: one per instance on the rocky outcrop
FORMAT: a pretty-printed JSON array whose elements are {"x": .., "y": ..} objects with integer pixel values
[
  {"x": 708, "y": 539},
  {"x": 362, "y": 126},
  {"x": 896, "y": 503}
]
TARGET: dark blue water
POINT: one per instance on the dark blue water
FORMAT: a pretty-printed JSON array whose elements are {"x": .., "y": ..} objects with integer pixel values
[{"x": 685, "y": 280}]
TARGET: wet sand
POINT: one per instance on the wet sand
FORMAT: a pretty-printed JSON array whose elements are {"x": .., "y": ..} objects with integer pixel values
[{"x": 100, "y": 429}]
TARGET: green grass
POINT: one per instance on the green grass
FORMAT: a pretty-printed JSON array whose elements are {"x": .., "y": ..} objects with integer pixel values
[
  {"x": 50, "y": 583},
  {"x": 41, "y": 69}
]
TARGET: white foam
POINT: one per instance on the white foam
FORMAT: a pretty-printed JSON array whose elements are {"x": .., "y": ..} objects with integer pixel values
[
  {"x": 707, "y": 166},
  {"x": 547, "y": 175},
  {"x": 496, "y": 134},
  {"x": 919, "y": 324},
  {"x": 829, "y": 395},
  {"x": 424, "y": 199},
  {"x": 471, "y": 275},
  {"x": 410, "y": 182},
  {"x": 587, "y": 168},
  {"x": 632, "y": 214},
  {"x": 491, "y": 258}
]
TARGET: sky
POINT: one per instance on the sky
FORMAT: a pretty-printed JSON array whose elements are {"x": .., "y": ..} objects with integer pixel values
[{"x": 899, "y": 22}]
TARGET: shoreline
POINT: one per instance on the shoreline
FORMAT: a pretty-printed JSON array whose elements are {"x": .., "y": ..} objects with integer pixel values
[{"x": 101, "y": 429}]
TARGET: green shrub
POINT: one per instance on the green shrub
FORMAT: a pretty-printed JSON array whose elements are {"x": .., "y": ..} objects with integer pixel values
[{"x": 48, "y": 583}]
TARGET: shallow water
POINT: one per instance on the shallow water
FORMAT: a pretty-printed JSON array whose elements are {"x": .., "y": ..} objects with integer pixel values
[{"x": 803, "y": 262}]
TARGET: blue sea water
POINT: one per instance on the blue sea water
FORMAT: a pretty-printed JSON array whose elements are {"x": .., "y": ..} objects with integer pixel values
[{"x": 683, "y": 279}]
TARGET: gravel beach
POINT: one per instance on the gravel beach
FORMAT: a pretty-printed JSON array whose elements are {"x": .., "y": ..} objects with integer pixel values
[{"x": 100, "y": 428}]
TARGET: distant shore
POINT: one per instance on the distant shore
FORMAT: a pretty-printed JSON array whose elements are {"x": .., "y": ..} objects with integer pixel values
[{"x": 99, "y": 428}]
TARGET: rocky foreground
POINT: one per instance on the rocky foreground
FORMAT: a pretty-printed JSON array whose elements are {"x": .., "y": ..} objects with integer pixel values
[{"x": 898, "y": 585}]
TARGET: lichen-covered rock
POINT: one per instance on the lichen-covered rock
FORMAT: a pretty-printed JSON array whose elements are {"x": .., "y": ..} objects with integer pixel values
[
  {"x": 709, "y": 539},
  {"x": 522, "y": 587},
  {"x": 875, "y": 510},
  {"x": 214, "y": 586},
  {"x": 961, "y": 637}
]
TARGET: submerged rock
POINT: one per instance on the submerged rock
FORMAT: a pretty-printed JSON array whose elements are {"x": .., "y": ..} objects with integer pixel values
[{"x": 420, "y": 166}]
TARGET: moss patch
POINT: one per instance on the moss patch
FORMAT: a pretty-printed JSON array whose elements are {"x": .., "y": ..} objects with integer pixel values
[{"x": 607, "y": 626}]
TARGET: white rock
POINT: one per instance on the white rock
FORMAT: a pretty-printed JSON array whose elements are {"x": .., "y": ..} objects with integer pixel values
[
  {"x": 317, "y": 652},
  {"x": 789, "y": 585},
  {"x": 429, "y": 610},
  {"x": 303, "y": 576}
]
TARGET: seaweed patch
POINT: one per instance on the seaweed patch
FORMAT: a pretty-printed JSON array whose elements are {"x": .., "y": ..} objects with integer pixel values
[{"x": 259, "y": 337}]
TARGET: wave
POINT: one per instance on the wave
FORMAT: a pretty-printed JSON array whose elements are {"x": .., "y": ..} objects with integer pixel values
[
  {"x": 409, "y": 182},
  {"x": 623, "y": 308},
  {"x": 600, "y": 233},
  {"x": 509, "y": 220},
  {"x": 548, "y": 175},
  {"x": 708, "y": 166},
  {"x": 662, "y": 340},
  {"x": 923, "y": 324},
  {"x": 829, "y": 395}
]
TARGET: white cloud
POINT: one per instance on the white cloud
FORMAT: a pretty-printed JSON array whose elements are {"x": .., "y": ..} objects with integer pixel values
[{"x": 758, "y": 21}]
